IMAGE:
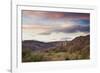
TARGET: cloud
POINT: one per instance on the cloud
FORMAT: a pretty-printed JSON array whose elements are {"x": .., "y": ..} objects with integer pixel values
[
  {"x": 66, "y": 38},
  {"x": 49, "y": 25},
  {"x": 42, "y": 14},
  {"x": 73, "y": 29},
  {"x": 68, "y": 29},
  {"x": 35, "y": 26},
  {"x": 45, "y": 33},
  {"x": 54, "y": 15}
]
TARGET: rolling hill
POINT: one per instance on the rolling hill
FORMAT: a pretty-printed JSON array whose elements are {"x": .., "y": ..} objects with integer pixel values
[{"x": 78, "y": 48}]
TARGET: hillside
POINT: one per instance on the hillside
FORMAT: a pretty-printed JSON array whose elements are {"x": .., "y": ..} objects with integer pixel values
[{"x": 78, "y": 48}]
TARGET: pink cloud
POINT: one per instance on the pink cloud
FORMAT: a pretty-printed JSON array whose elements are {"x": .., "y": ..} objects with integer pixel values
[{"x": 44, "y": 14}]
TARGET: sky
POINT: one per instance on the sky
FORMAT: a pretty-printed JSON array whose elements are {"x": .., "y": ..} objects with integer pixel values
[{"x": 49, "y": 26}]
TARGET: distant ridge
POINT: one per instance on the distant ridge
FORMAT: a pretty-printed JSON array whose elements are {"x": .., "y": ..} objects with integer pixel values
[
  {"x": 76, "y": 49},
  {"x": 76, "y": 44}
]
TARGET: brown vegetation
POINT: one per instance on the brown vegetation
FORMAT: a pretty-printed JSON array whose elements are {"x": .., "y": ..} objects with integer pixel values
[{"x": 77, "y": 49}]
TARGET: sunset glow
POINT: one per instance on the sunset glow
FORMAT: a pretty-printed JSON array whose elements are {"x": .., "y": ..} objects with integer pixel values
[{"x": 50, "y": 26}]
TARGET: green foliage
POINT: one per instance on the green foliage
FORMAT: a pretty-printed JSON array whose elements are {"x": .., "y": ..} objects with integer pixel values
[
  {"x": 26, "y": 55},
  {"x": 55, "y": 55},
  {"x": 36, "y": 57}
]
